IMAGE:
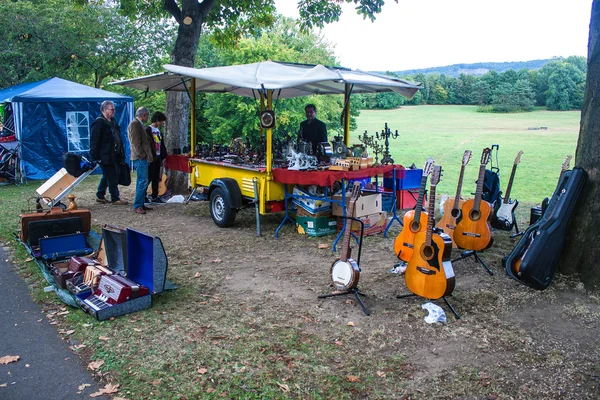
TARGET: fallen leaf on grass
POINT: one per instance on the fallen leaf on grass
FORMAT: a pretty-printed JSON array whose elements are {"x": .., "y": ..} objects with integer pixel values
[
  {"x": 67, "y": 332},
  {"x": 216, "y": 260},
  {"x": 103, "y": 338},
  {"x": 202, "y": 371},
  {"x": 120, "y": 398},
  {"x": 108, "y": 389},
  {"x": 9, "y": 359},
  {"x": 283, "y": 387},
  {"x": 94, "y": 365},
  {"x": 156, "y": 382},
  {"x": 350, "y": 323},
  {"x": 197, "y": 275},
  {"x": 137, "y": 329},
  {"x": 29, "y": 259},
  {"x": 83, "y": 386},
  {"x": 381, "y": 374},
  {"x": 78, "y": 346},
  {"x": 352, "y": 378},
  {"x": 323, "y": 246},
  {"x": 337, "y": 342}
]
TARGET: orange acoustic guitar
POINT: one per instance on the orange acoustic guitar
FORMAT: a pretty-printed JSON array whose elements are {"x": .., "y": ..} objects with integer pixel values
[
  {"x": 429, "y": 272},
  {"x": 452, "y": 206},
  {"x": 473, "y": 231},
  {"x": 414, "y": 221},
  {"x": 516, "y": 265}
]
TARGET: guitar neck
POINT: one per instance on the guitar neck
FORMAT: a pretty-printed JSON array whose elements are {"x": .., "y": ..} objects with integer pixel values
[
  {"x": 419, "y": 205},
  {"x": 345, "y": 252},
  {"x": 459, "y": 188},
  {"x": 510, "y": 182},
  {"x": 430, "y": 215},
  {"x": 479, "y": 191}
]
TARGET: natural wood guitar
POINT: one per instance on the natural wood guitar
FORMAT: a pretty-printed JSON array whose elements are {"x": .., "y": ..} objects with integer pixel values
[
  {"x": 344, "y": 271},
  {"x": 414, "y": 221},
  {"x": 505, "y": 214},
  {"x": 429, "y": 272},
  {"x": 474, "y": 232},
  {"x": 516, "y": 264},
  {"x": 453, "y": 205}
]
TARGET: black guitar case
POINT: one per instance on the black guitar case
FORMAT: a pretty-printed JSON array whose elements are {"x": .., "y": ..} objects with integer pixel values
[
  {"x": 53, "y": 227},
  {"x": 541, "y": 245}
]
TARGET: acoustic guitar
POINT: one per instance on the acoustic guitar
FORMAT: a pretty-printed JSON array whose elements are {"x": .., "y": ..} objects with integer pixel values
[
  {"x": 516, "y": 264},
  {"x": 473, "y": 231},
  {"x": 429, "y": 272},
  {"x": 452, "y": 206},
  {"x": 162, "y": 186},
  {"x": 414, "y": 221},
  {"x": 344, "y": 270},
  {"x": 505, "y": 214}
]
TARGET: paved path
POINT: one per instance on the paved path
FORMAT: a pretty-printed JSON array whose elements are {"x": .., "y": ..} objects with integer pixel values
[{"x": 47, "y": 369}]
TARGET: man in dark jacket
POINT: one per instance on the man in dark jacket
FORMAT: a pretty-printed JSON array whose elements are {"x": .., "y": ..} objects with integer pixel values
[
  {"x": 106, "y": 147},
  {"x": 313, "y": 130}
]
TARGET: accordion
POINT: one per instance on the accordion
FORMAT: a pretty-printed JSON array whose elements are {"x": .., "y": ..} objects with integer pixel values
[
  {"x": 79, "y": 264},
  {"x": 115, "y": 289}
]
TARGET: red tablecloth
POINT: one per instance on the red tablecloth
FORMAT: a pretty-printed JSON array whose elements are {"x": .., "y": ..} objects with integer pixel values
[
  {"x": 178, "y": 163},
  {"x": 327, "y": 178}
]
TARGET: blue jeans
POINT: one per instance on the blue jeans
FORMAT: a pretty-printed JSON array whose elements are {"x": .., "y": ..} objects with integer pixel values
[{"x": 141, "y": 182}]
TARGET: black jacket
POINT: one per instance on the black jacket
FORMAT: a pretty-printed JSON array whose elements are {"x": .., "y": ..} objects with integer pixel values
[
  {"x": 315, "y": 132},
  {"x": 106, "y": 145}
]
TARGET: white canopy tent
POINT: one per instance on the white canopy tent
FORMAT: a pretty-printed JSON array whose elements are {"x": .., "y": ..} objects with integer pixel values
[{"x": 267, "y": 80}]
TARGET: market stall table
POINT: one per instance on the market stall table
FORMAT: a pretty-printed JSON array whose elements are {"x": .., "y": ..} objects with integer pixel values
[{"x": 326, "y": 179}]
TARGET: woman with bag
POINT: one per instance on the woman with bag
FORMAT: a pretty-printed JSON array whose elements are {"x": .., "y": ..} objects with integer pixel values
[{"x": 154, "y": 176}]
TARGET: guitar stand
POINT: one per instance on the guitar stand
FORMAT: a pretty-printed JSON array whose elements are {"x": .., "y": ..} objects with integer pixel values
[
  {"x": 456, "y": 315},
  {"x": 473, "y": 253},
  {"x": 357, "y": 293},
  {"x": 517, "y": 232}
]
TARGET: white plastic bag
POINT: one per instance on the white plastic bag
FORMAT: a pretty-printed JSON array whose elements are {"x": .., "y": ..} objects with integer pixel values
[
  {"x": 436, "y": 313},
  {"x": 177, "y": 199}
]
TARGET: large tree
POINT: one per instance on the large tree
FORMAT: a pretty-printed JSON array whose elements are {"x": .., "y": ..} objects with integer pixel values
[
  {"x": 582, "y": 253},
  {"x": 227, "y": 19}
]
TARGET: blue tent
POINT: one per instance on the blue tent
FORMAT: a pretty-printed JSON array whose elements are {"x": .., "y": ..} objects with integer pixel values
[{"x": 54, "y": 116}]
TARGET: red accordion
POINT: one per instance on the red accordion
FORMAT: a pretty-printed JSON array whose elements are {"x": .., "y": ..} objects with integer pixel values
[{"x": 115, "y": 289}]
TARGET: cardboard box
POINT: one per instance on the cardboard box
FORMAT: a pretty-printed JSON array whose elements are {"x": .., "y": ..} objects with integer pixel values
[
  {"x": 366, "y": 204},
  {"x": 313, "y": 204},
  {"x": 319, "y": 226},
  {"x": 301, "y": 212},
  {"x": 374, "y": 223}
]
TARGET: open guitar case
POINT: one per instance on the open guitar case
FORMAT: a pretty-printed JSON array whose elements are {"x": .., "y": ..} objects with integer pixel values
[{"x": 542, "y": 242}]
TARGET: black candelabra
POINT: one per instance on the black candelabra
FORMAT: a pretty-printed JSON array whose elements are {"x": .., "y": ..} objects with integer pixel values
[
  {"x": 386, "y": 134},
  {"x": 367, "y": 141}
]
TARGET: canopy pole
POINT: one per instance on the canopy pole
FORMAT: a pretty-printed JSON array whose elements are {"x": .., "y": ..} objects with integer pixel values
[
  {"x": 347, "y": 91},
  {"x": 193, "y": 118},
  {"x": 269, "y": 141}
]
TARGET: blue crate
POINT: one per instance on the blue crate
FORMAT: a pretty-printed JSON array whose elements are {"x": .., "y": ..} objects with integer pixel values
[
  {"x": 411, "y": 180},
  {"x": 387, "y": 202},
  {"x": 363, "y": 182}
]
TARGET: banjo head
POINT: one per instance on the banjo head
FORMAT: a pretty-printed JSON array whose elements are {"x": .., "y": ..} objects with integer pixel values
[{"x": 344, "y": 274}]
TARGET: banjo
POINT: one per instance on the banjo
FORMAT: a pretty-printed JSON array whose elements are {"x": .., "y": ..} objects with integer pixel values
[{"x": 344, "y": 270}]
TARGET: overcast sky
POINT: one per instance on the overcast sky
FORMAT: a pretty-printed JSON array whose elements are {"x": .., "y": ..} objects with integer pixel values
[{"x": 414, "y": 34}]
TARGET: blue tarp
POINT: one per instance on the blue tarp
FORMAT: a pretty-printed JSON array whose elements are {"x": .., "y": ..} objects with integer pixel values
[{"x": 54, "y": 116}]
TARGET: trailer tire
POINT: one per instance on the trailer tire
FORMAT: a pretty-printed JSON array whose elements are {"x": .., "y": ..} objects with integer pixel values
[{"x": 220, "y": 210}]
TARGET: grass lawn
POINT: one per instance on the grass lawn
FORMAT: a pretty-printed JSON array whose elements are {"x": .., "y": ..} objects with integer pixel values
[{"x": 445, "y": 132}]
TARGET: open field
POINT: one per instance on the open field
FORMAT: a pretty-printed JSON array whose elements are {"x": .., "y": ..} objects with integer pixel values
[
  {"x": 246, "y": 321},
  {"x": 445, "y": 132}
]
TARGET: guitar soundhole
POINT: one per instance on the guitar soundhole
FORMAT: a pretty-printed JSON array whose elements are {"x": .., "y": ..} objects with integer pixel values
[
  {"x": 427, "y": 252},
  {"x": 414, "y": 226},
  {"x": 455, "y": 213},
  {"x": 474, "y": 215}
]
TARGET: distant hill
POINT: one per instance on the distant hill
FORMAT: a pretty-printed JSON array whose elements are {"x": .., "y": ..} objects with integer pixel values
[{"x": 477, "y": 68}]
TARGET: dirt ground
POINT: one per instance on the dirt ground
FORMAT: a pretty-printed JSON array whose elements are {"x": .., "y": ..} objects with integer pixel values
[{"x": 510, "y": 342}]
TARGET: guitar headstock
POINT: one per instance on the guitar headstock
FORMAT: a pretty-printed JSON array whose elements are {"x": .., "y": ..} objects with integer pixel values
[
  {"x": 518, "y": 158},
  {"x": 435, "y": 177},
  {"x": 485, "y": 156},
  {"x": 466, "y": 157},
  {"x": 428, "y": 167},
  {"x": 566, "y": 164}
]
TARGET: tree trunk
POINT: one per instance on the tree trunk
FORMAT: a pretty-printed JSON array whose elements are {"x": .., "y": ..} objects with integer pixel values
[
  {"x": 190, "y": 21},
  {"x": 582, "y": 253}
]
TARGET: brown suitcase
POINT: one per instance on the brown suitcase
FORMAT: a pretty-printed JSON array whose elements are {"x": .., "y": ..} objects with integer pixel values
[{"x": 54, "y": 213}]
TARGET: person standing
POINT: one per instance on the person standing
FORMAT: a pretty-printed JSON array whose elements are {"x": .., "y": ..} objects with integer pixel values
[
  {"x": 312, "y": 129},
  {"x": 142, "y": 154},
  {"x": 106, "y": 147},
  {"x": 154, "y": 176}
]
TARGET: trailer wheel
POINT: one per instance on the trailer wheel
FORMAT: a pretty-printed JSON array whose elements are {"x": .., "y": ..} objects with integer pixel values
[{"x": 220, "y": 210}]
